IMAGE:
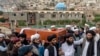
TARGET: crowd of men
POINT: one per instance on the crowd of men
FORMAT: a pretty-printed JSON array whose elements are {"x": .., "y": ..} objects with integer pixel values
[{"x": 78, "y": 41}]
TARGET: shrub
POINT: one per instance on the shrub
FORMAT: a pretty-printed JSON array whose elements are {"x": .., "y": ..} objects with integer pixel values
[
  {"x": 2, "y": 20},
  {"x": 1, "y": 13},
  {"x": 21, "y": 23},
  {"x": 96, "y": 20}
]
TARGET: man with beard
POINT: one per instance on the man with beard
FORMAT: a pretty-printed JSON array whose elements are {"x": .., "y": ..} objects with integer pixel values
[
  {"x": 77, "y": 36},
  {"x": 97, "y": 37},
  {"x": 67, "y": 47},
  {"x": 88, "y": 44},
  {"x": 51, "y": 49},
  {"x": 38, "y": 50}
]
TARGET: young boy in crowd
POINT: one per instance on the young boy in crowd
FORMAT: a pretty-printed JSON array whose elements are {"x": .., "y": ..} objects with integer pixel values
[{"x": 16, "y": 45}]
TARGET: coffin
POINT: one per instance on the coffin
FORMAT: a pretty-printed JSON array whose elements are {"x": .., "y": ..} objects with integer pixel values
[{"x": 43, "y": 32}]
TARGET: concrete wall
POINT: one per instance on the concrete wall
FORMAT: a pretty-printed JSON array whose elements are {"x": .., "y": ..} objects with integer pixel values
[
  {"x": 17, "y": 16},
  {"x": 60, "y": 16},
  {"x": 6, "y": 15},
  {"x": 47, "y": 15},
  {"x": 97, "y": 11}
]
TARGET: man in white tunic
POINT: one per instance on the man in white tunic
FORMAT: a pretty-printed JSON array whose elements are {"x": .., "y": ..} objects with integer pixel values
[
  {"x": 68, "y": 47},
  {"x": 88, "y": 44}
]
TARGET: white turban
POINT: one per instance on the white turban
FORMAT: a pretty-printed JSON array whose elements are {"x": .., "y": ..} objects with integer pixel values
[
  {"x": 53, "y": 26},
  {"x": 68, "y": 26},
  {"x": 92, "y": 28},
  {"x": 35, "y": 36},
  {"x": 2, "y": 35}
]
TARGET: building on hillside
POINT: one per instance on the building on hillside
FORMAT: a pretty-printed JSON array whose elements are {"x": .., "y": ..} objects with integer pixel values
[{"x": 33, "y": 17}]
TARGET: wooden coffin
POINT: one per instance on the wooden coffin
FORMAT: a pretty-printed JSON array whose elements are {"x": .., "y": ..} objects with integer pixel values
[{"x": 43, "y": 32}]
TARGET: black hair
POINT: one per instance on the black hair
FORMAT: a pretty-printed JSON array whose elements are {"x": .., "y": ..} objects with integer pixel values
[
  {"x": 25, "y": 41},
  {"x": 50, "y": 37},
  {"x": 15, "y": 33},
  {"x": 82, "y": 28},
  {"x": 91, "y": 32},
  {"x": 22, "y": 35},
  {"x": 67, "y": 36}
]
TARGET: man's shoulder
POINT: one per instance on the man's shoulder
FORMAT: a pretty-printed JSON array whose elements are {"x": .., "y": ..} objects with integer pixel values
[{"x": 64, "y": 43}]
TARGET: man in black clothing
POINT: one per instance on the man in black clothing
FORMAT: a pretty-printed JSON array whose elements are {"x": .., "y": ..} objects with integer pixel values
[{"x": 51, "y": 49}]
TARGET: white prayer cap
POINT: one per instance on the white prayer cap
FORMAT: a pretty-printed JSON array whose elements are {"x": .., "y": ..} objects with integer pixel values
[
  {"x": 86, "y": 25},
  {"x": 53, "y": 26},
  {"x": 35, "y": 36},
  {"x": 75, "y": 29},
  {"x": 32, "y": 37},
  {"x": 92, "y": 28},
  {"x": 68, "y": 26},
  {"x": 2, "y": 35},
  {"x": 38, "y": 35}
]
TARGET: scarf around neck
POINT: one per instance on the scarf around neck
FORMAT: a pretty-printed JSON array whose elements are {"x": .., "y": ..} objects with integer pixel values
[{"x": 90, "y": 50}]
